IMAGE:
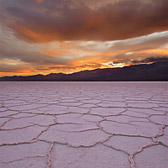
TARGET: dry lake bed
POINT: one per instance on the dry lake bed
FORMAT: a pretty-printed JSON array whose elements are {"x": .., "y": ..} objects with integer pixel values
[{"x": 83, "y": 125}]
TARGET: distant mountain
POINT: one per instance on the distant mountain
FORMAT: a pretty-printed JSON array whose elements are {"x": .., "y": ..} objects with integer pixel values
[{"x": 157, "y": 71}]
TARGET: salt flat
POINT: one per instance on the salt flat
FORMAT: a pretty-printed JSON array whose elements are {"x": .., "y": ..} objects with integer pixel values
[{"x": 83, "y": 125}]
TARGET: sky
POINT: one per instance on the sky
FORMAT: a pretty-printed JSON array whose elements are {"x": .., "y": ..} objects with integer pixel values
[{"x": 66, "y": 36}]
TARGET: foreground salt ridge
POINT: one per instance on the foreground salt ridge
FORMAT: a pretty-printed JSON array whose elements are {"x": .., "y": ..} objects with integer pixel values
[{"x": 84, "y": 125}]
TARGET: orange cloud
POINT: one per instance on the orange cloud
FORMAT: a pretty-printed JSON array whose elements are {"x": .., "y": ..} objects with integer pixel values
[
  {"x": 70, "y": 21},
  {"x": 54, "y": 53},
  {"x": 39, "y": 1},
  {"x": 25, "y": 58},
  {"x": 28, "y": 35},
  {"x": 155, "y": 51}
]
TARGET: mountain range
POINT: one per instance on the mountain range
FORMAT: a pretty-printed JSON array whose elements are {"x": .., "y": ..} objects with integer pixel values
[{"x": 157, "y": 71}]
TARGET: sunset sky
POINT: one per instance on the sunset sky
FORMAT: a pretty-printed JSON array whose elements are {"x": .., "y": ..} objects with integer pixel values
[{"x": 51, "y": 36}]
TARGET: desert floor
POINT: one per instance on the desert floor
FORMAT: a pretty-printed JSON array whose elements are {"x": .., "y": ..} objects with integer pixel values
[{"x": 83, "y": 125}]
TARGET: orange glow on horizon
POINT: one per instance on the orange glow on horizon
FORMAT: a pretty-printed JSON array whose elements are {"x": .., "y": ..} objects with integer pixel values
[{"x": 74, "y": 56}]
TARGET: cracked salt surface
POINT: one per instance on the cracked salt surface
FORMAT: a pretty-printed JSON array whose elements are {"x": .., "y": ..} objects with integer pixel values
[{"x": 84, "y": 125}]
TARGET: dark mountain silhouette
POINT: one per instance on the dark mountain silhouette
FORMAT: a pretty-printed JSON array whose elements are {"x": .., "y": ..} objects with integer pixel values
[{"x": 157, "y": 71}]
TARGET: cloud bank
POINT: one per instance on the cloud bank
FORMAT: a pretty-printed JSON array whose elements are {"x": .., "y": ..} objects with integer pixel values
[
  {"x": 68, "y": 20},
  {"x": 51, "y": 36}
]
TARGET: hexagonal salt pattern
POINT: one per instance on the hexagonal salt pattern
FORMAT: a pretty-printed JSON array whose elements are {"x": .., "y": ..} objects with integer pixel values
[{"x": 83, "y": 125}]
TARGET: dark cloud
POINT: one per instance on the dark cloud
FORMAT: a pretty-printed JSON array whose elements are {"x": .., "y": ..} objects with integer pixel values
[
  {"x": 8, "y": 68},
  {"x": 70, "y": 20},
  {"x": 14, "y": 49},
  {"x": 32, "y": 57},
  {"x": 151, "y": 59}
]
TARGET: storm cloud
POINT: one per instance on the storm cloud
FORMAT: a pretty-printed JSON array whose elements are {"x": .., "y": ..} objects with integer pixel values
[{"x": 68, "y": 20}]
